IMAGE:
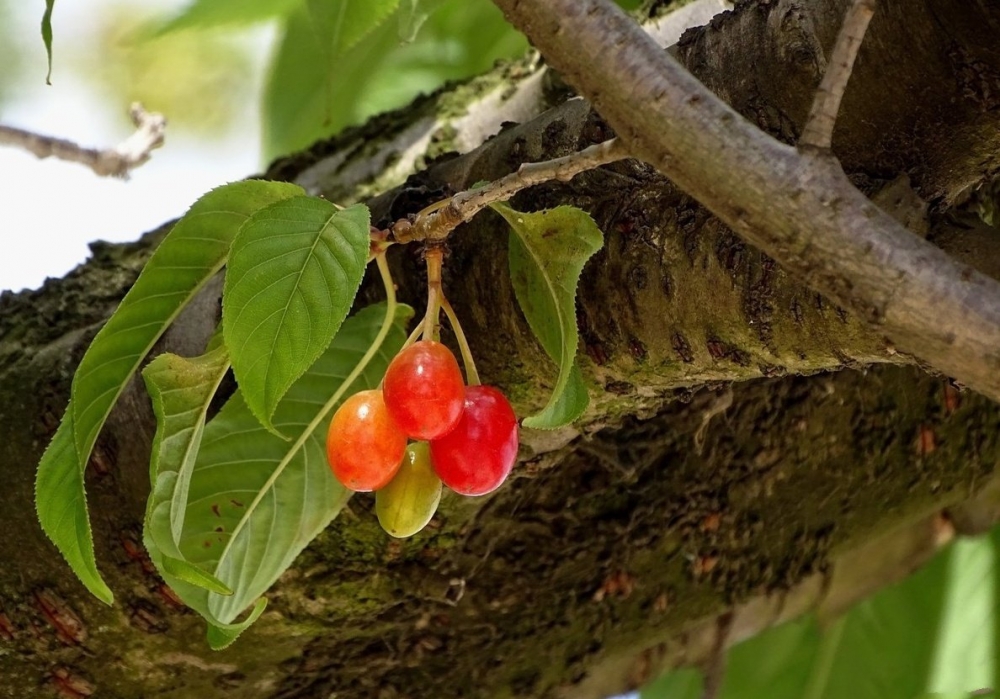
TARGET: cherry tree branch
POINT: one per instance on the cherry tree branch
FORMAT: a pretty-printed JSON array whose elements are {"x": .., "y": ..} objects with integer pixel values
[
  {"x": 818, "y": 131},
  {"x": 437, "y": 221},
  {"x": 114, "y": 162},
  {"x": 798, "y": 207}
]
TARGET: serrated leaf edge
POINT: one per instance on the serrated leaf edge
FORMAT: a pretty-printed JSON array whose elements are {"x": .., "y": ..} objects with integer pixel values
[
  {"x": 265, "y": 415},
  {"x": 507, "y": 212}
]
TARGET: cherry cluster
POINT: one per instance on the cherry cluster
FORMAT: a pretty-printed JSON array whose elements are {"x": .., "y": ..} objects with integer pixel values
[{"x": 467, "y": 437}]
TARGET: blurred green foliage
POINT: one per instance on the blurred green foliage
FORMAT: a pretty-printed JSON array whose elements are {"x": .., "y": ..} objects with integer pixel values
[
  {"x": 311, "y": 93},
  {"x": 198, "y": 79},
  {"x": 11, "y": 63},
  {"x": 338, "y": 62},
  {"x": 935, "y": 634}
]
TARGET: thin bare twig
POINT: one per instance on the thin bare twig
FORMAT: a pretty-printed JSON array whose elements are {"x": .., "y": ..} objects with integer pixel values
[
  {"x": 437, "y": 221},
  {"x": 818, "y": 131},
  {"x": 114, "y": 162}
]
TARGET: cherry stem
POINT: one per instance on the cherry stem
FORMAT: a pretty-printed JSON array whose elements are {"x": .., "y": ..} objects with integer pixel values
[
  {"x": 386, "y": 274},
  {"x": 378, "y": 242},
  {"x": 413, "y": 337},
  {"x": 471, "y": 375},
  {"x": 436, "y": 206},
  {"x": 435, "y": 295}
]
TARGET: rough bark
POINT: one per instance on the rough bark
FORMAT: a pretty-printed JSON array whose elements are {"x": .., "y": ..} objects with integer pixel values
[{"x": 619, "y": 542}]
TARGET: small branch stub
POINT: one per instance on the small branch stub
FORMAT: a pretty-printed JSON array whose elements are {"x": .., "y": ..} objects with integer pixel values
[
  {"x": 818, "y": 131},
  {"x": 114, "y": 162}
]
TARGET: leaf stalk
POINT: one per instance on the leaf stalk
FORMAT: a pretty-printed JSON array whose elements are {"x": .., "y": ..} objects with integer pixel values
[{"x": 471, "y": 374}]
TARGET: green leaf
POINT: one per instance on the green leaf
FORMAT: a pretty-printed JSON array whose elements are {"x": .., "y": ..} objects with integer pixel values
[
  {"x": 189, "y": 573},
  {"x": 967, "y": 647},
  {"x": 220, "y": 636},
  {"x": 193, "y": 251},
  {"x": 203, "y": 14},
  {"x": 304, "y": 101},
  {"x": 47, "y": 36},
  {"x": 547, "y": 253},
  {"x": 341, "y": 24},
  {"x": 887, "y": 647},
  {"x": 188, "y": 257},
  {"x": 894, "y": 644},
  {"x": 412, "y": 15},
  {"x": 301, "y": 101},
  {"x": 787, "y": 665},
  {"x": 293, "y": 273},
  {"x": 61, "y": 504},
  {"x": 256, "y": 500},
  {"x": 181, "y": 391}
]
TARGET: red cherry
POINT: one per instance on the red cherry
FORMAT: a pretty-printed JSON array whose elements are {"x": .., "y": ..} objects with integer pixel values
[
  {"x": 364, "y": 446},
  {"x": 424, "y": 390},
  {"x": 477, "y": 456}
]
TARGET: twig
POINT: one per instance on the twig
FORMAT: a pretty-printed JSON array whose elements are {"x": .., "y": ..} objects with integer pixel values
[
  {"x": 438, "y": 220},
  {"x": 818, "y": 131},
  {"x": 115, "y": 162},
  {"x": 435, "y": 294}
]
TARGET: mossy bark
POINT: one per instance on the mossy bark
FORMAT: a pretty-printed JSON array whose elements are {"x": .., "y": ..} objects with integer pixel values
[{"x": 685, "y": 490}]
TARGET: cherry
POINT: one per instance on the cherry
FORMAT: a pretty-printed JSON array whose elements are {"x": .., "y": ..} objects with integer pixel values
[
  {"x": 364, "y": 446},
  {"x": 424, "y": 390},
  {"x": 406, "y": 505},
  {"x": 478, "y": 454}
]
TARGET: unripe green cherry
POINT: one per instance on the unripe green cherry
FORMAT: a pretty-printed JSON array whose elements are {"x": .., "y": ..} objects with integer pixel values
[{"x": 406, "y": 505}]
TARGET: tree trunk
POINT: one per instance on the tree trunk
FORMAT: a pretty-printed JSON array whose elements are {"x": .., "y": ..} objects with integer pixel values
[{"x": 685, "y": 492}]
